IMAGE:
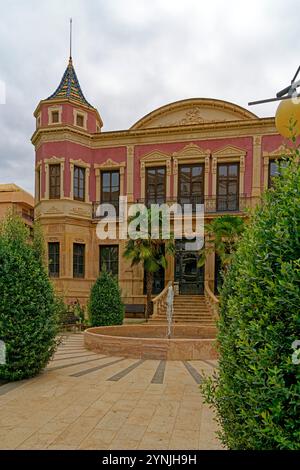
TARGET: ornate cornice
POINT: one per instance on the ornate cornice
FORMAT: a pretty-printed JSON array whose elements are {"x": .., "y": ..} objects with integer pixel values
[
  {"x": 279, "y": 152},
  {"x": 229, "y": 151},
  {"x": 206, "y": 131},
  {"x": 79, "y": 162},
  {"x": 155, "y": 156},
  {"x": 191, "y": 150}
]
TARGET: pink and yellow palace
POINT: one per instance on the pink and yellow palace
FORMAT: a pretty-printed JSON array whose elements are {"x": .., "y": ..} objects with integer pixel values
[{"x": 197, "y": 150}]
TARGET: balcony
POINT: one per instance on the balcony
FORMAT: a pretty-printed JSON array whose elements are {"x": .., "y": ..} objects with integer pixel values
[
  {"x": 212, "y": 205},
  {"x": 227, "y": 204}
]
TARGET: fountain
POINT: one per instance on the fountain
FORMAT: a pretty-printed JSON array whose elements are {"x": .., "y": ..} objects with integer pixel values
[{"x": 181, "y": 341}]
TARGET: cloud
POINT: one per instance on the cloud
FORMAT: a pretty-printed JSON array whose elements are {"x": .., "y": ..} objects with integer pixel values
[{"x": 132, "y": 56}]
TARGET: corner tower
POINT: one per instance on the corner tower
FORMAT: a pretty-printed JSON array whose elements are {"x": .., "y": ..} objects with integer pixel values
[
  {"x": 68, "y": 106},
  {"x": 66, "y": 124}
]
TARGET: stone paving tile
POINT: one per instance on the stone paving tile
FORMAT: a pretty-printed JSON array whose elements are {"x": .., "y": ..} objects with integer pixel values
[
  {"x": 132, "y": 432},
  {"x": 183, "y": 439},
  {"x": 58, "y": 411},
  {"x": 123, "y": 444},
  {"x": 74, "y": 434},
  {"x": 113, "y": 420},
  {"x": 155, "y": 441},
  {"x": 98, "y": 439}
]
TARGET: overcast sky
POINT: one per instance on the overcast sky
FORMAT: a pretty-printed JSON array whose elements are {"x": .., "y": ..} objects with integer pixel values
[{"x": 132, "y": 56}]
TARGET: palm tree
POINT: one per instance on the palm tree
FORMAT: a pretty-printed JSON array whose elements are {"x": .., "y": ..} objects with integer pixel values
[
  {"x": 150, "y": 252},
  {"x": 223, "y": 234}
]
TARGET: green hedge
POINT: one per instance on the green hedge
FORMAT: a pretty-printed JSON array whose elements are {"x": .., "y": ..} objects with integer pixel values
[
  {"x": 105, "y": 305},
  {"x": 257, "y": 391},
  {"x": 28, "y": 310}
]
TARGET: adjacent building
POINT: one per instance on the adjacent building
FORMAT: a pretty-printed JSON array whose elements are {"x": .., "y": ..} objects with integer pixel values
[
  {"x": 196, "y": 150},
  {"x": 17, "y": 200}
]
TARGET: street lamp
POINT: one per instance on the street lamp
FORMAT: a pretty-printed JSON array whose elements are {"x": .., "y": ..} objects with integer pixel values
[{"x": 287, "y": 118}]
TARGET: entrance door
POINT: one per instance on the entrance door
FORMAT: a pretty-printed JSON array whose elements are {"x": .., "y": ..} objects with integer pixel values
[{"x": 187, "y": 273}]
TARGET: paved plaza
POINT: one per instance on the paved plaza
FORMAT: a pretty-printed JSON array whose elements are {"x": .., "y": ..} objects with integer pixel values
[{"x": 88, "y": 401}]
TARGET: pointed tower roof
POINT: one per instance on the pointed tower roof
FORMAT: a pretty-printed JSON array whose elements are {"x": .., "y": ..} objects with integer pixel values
[{"x": 69, "y": 87}]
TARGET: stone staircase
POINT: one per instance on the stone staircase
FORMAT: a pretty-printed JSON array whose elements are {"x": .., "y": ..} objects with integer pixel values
[{"x": 188, "y": 309}]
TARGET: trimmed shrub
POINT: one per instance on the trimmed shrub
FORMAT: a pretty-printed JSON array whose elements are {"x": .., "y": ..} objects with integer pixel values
[
  {"x": 105, "y": 305},
  {"x": 257, "y": 390},
  {"x": 28, "y": 309}
]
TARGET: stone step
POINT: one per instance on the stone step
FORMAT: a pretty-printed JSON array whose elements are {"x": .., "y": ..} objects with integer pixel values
[
  {"x": 190, "y": 304},
  {"x": 187, "y": 308},
  {"x": 186, "y": 318},
  {"x": 161, "y": 322}
]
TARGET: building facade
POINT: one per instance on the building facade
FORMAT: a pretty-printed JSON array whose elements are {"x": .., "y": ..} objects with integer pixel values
[
  {"x": 18, "y": 201},
  {"x": 192, "y": 151}
]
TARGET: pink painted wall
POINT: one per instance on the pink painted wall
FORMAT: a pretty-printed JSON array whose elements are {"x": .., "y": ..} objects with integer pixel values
[
  {"x": 70, "y": 150},
  {"x": 271, "y": 143},
  {"x": 67, "y": 115},
  {"x": 246, "y": 143}
]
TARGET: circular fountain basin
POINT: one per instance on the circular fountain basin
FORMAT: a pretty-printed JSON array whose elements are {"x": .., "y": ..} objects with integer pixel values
[{"x": 188, "y": 342}]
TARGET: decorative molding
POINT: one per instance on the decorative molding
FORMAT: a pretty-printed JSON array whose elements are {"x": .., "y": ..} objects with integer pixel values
[
  {"x": 109, "y": 164},
  {"x": 52, "y": 109},
  {"x": 157, "y": 135},
  {"x": 277, "y": 153},
  {"x": 156, "y": 156},
  {"x": 84, "y": 114},
  {"x": 55, "y": 161},
  {"x": 79, "y": 162},
  {"x": 87, "y": 167},
  {"x": 230, "y": 151},
  {"x": 191, "y": 117},
  {"x": 54, "y": 210},
  {"x": 214, "y": 165},
  {"x": 190, "y": 112},
  {"x": 256, "y": 167},
  {"x": 38, "y": 182},
  {"x": 191, "y": 154},
  {"x": 130, "y": 173},
  {"x": 191, "y": 150},
  {"x": 228, "y": 154},
  {"x": 153, "y": 159},
  {"x": 281, "y": 151}
]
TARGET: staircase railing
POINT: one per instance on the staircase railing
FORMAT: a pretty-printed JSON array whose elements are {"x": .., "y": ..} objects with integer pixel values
[
  {"x": 212, "y": 300},
  {"x": 160, "y": 302}
]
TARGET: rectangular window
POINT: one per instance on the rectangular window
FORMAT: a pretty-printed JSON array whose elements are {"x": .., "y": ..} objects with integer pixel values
[
  {"x": 53, "y": 259},
  {"x": 110, "y": 188},
  {"x": 155, "y": 185},
  {"x": 55, "y": 117},
  {"x": 275, "y": 169},
  {"x": 191, "y": 185},
  {"x": 228, "y": 187},
  {"x": 109, "y": 259},
  {"x": 78, "y": 260},
  {"x": 54, "y": 181},
  {"x": 79, "y": 183},
  {"x": 79, "y": 120}
]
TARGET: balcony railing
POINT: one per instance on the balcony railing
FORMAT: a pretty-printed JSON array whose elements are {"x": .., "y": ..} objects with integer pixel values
[
  {"x": 220, "y": 204},
  {"x": 212, "y": 205}
]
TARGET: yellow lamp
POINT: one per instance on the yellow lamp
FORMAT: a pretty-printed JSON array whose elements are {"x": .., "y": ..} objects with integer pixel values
[{"x": 287, "y": 118}]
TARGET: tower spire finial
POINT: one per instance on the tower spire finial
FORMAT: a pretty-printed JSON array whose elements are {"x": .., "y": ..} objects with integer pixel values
[{"x": 70, "y": 58}]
